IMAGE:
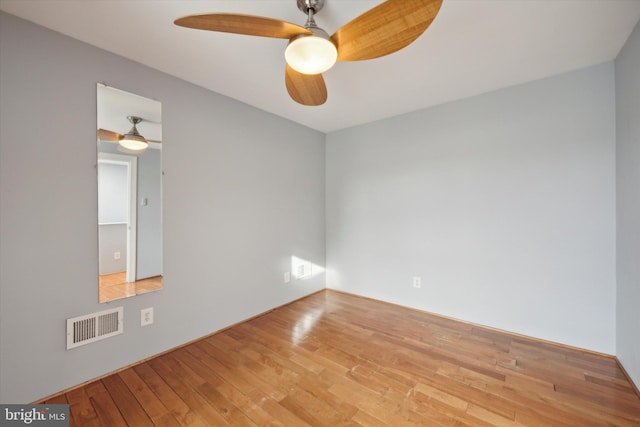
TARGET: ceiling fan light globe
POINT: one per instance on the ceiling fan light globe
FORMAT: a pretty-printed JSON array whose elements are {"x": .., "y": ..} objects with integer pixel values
[
  {"x": 310, "y": 54},
  {"x": 134, "y": 143}
]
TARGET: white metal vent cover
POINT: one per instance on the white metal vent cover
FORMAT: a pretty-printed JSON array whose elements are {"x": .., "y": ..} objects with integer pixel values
[{"x": 94, "y": 327}]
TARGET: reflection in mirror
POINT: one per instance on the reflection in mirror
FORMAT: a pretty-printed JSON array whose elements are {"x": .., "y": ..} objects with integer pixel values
[{"x": 129, "y": 134}]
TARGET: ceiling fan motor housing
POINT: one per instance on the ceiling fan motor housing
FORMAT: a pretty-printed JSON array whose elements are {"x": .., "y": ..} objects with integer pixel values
[{"x": 305, "y": 5}]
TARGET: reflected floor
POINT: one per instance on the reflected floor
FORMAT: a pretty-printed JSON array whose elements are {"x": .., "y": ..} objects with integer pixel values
[{"x": 115, "y": 286}]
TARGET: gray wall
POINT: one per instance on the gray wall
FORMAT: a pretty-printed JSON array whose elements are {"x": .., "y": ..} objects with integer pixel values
[
  {"x": 239, "y": 201},
  {"x": 503, "y": 203},
  {"x": 628, "y": 201},
  {"x": 149, "y": 237},
  {"x": 112, "y": 238}
]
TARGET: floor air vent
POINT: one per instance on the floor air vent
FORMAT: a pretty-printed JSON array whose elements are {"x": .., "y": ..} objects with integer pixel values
[{"x": 94, "y": 327}]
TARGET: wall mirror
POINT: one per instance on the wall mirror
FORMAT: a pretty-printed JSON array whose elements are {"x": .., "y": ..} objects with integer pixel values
[{"x": 129, "y": 167}]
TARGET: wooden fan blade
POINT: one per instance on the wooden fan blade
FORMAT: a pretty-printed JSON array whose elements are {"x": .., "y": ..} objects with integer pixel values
[
  {"x": 242, "y": 24},
  {"x": 305, "y": 89},
  {"x": 384, "y": 29},
  {"x": 111, "y": 136},
  {"x": 108, "y": 135}
]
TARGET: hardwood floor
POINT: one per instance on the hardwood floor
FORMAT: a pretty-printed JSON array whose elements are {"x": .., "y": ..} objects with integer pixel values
[
  {"x": 333, "y": 359},
  {"x": 115, "y": 286}
]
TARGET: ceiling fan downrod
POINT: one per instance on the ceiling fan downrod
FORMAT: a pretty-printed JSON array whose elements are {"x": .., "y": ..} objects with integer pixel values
[
  {"x": 310, "y": 5},
  {"x": 311, "y": 8},
  {"x": 134, "y": 130}
]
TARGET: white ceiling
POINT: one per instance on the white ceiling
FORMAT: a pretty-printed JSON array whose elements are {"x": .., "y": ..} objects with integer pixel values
[
  {"x": 114, "y": 105},
  {"x": 472, "y": 47}
]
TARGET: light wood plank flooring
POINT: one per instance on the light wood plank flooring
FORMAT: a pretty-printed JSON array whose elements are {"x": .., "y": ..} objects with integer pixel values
[
  {"x": 333, "y": 359},
  {"x": 115, "y": 286}
]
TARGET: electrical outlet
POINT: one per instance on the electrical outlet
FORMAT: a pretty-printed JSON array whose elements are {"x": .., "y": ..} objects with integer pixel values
[
  {"x": 417, "y": 282},
  {"x": 116, "y": 255},
  {"x": 146, "y": 316}
]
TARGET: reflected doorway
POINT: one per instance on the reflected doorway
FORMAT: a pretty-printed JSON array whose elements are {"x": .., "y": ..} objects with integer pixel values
[{"x": 117, "y": 215}]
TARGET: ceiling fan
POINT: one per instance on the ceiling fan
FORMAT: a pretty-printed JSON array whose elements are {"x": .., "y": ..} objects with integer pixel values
[
  {"x": 380, "y": 31},
  {"x": 131, "y": 142}
]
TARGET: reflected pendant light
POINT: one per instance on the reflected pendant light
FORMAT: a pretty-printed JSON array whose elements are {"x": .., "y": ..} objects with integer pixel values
[{"x": 132, "y": 141}]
